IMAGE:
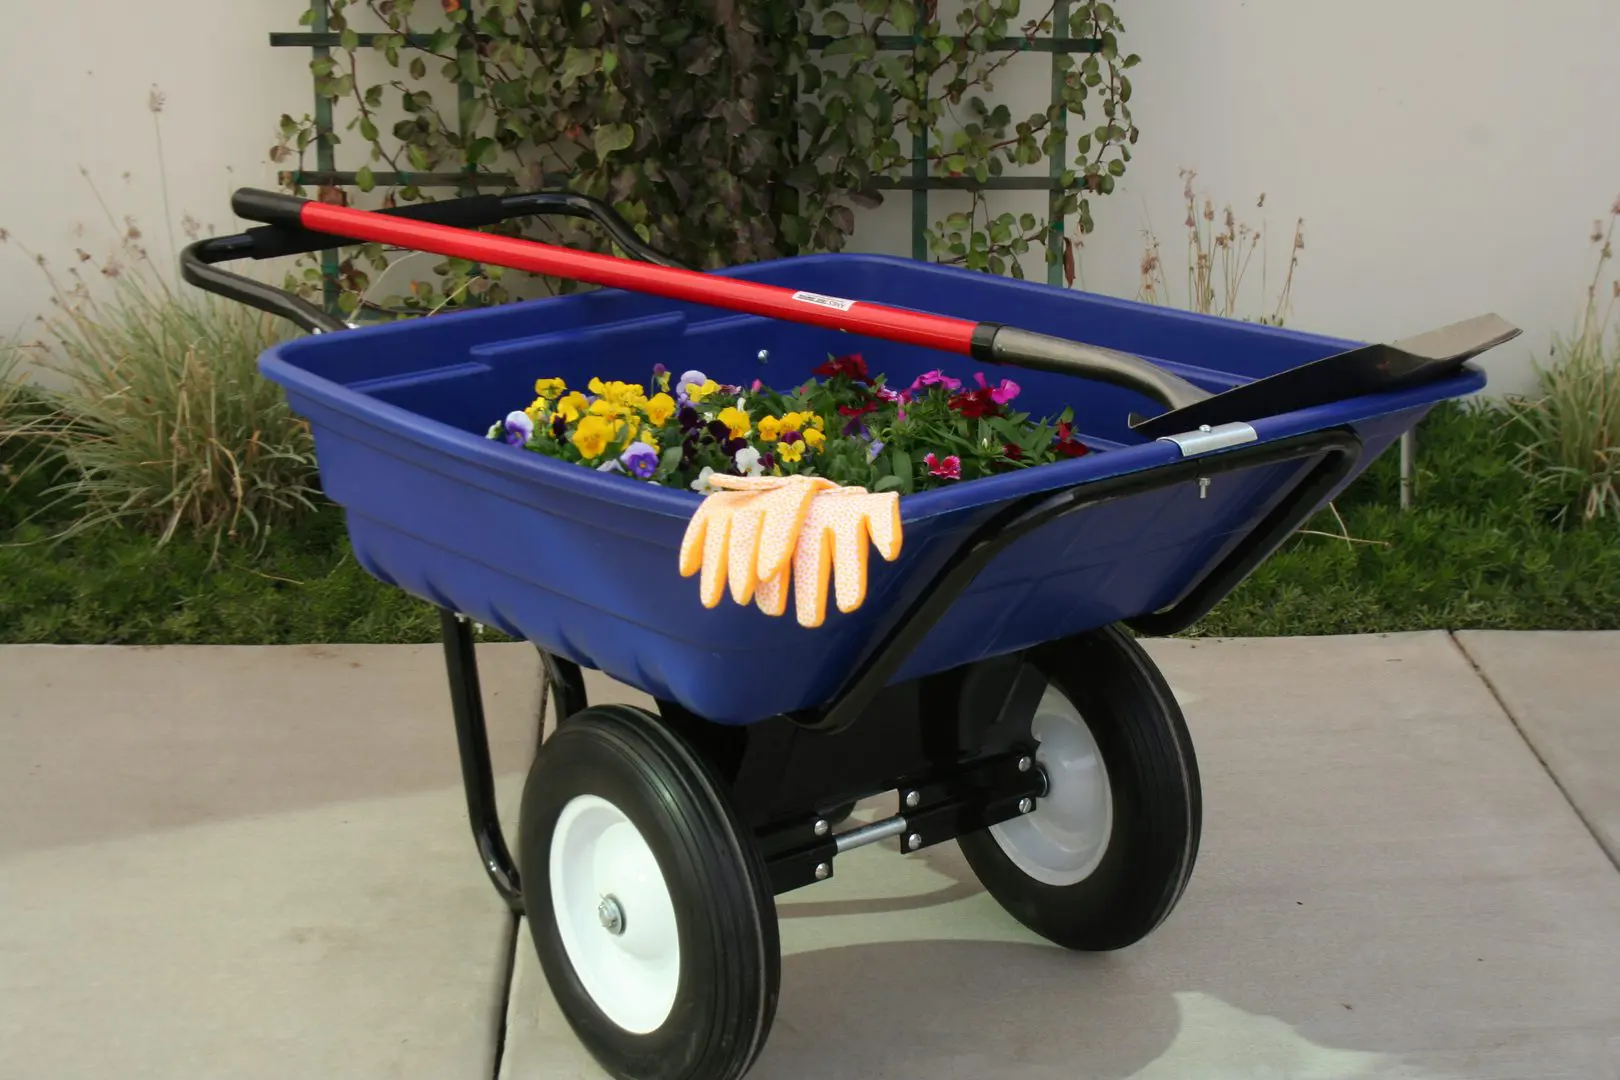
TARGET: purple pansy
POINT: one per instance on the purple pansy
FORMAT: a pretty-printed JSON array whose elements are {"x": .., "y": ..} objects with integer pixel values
[
  {"x": 519, "y": 428},
  {"x": 640, "y": 459}
]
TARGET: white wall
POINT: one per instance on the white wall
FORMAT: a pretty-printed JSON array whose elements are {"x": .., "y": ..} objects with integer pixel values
[{"x": 1448, "y": 156}]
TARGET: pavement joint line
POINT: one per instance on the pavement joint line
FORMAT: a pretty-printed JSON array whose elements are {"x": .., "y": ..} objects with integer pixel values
[{"x": 1586, "y": 823}]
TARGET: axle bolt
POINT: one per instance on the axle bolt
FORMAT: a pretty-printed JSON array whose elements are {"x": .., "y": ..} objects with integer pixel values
[
  {"x": 914, "y": 841},
  {"x": 821, "y": 828},
  {"x": 611, "y": 915},
  {"x": 1025, "y": 805},
  {"x": 823, "y": 871},
  {"x": 1024, "y": 764},
  {"x": 913, "y": 798}
]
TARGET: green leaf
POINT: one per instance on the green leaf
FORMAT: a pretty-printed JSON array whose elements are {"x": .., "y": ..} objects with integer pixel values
[
  {"x": 363, "y": 178},
  {"x": 903, "y": 16},
  {"x": 958, "y": 221},
  {"x": 418, "y": 68},
  {"x": 349, "y": 40},
  {"x": 671, "y": 460},
  {"x": 368, "y": 130},
  {"x": 483, "y": 151},
  {"x": 887, "y": 483},
  {"x": 610, "y": 62},
  {"x": 577, "y": 63},
  {"x": 611, "y": 137},
  {"x": 835, "y": 24}
]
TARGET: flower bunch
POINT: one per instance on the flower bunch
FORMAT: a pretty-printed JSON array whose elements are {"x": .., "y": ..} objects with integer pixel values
[{"x": 846, "y": 425}]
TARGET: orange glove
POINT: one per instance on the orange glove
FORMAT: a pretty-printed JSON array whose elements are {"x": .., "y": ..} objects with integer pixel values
[
  {"x": 832, "y": 545},
  {"x": 745, "y": 532}
]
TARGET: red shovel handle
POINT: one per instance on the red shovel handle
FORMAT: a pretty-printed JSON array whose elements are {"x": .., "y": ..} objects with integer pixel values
[{"x": 988, "y": 342}]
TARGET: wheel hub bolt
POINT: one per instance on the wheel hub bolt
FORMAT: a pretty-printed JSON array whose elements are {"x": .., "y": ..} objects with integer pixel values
[
  {"x": 1025, "y": 805},
  {"x": 914, "y": 841},
  {"x": 913, "y": 798},
  {"x": 821, "y": 828},
  {"x": 823, "y": 871},
  {"x": 611, "y": 914},
  {"x": 1024, "y": 764}
]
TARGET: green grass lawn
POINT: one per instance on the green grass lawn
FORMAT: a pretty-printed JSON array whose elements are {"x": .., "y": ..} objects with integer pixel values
[{"x": 1481, "y": 549}]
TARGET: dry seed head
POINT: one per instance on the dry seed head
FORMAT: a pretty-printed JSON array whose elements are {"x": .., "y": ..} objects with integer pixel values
[
  {"x": 155, "y": 99},
  {"x": 1597, "y": 231},
  {"x": 1209, "y": 210},
  {"x": 1615, "y": 209}
]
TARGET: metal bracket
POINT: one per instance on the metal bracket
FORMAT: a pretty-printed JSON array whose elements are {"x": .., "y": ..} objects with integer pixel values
[{"x": 1207, "y": 439}]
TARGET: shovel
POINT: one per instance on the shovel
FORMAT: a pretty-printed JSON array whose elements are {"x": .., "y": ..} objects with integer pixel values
[{"x": 1363, "y": 370}]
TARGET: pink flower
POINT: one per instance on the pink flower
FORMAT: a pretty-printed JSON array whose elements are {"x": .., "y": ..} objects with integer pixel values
[
  {"x": 1003, "y": 393},
  {"x": 934, "y": 378},
  {"x": 883, "y": 393},
  {"x": 950, "y": 468}
]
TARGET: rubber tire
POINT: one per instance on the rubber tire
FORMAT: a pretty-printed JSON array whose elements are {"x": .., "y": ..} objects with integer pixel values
[
  {"x": 725, "y": 911},
  {"x": 1158, "y": 805}
]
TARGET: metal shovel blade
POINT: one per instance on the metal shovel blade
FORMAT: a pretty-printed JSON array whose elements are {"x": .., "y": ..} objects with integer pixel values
[{"x": 1368, "y": 369}]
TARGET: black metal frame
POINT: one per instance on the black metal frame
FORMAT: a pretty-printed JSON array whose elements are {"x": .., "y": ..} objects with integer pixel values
[{"x": 956, "y": 744}]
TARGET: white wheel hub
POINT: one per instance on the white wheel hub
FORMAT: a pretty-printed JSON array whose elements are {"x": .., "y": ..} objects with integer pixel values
[
  {"x": 1064, "y": 838},
  {"x": 614, "y": 914}
]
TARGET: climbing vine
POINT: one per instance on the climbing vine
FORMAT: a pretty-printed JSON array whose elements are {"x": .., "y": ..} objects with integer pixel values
[{"x": 725, "y": 131}]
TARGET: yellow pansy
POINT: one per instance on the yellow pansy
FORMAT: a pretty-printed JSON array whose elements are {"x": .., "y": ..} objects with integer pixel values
[
  {"x": 790, "y": 451},
  {"x": 735, "y": 419},
  {"x": 814, "y": 438},
  {"x": 697, "y": 392},
  {"x": 571, "y": 407},
  {"x": 549, "y": 389},
  {"x": 626, "y": 395},
  {"x": 592, "y": 436},
  {"x": 770, "y": 428},
  {"x": 660, "y": 407}
]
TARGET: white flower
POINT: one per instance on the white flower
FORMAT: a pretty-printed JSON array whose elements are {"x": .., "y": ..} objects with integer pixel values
[
  {"x": 748, "y": 461},
  {"x": 701, "y": 485}
]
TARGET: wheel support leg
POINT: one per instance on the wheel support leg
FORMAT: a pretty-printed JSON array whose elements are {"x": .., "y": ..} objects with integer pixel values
[{"x": 477, "y": 774}]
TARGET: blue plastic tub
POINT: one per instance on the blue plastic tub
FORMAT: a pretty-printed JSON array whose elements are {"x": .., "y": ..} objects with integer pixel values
[{"x": 584, "y": 564}]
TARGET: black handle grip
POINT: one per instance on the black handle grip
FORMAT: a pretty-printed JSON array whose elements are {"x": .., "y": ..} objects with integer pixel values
[{"x": 283, "y": 235}]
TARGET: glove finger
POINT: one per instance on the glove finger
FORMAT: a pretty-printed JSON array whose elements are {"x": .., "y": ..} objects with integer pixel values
[
  {"x": 883, "y": 523},
  {"x": 692, "y": 544},
  {"x": 712, "y": 585},
  {"x": 771, "y": 596},
  {"x": 849, "y": 556},
  {"x": 812, "y": 567},
  {"x": 743, "y": 567}
]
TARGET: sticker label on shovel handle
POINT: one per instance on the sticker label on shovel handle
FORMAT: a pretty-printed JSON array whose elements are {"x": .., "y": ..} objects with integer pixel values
[{"x": 824, "y": 301}]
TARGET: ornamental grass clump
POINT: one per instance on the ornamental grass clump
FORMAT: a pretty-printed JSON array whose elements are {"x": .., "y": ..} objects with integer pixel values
[
  {"x": 162, "y": 420},
  {"x": 844, "y": 424},
  {"x": 1570, "y": 430}
]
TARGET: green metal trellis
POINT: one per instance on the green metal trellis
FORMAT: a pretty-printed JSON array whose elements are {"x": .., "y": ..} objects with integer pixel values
[{"x": 321, "y": 40}]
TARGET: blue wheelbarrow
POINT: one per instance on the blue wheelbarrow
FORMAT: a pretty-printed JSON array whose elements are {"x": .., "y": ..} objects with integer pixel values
[{"x": 991, "y": 681}]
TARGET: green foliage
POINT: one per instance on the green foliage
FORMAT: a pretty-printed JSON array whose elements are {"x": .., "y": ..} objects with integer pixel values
[
  {"x": 1479, "y": 551},
  {"x": 162, "y": 419},
  {"x": 117, "y": 586},
  {"x": 1482, "y": 548},
  {"x": 1571, "y": 429},
  {"x": 717, "y": 129}
]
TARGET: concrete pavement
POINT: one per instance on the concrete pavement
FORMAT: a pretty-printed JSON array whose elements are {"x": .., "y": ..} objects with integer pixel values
[{"x": 255, "y": 863}]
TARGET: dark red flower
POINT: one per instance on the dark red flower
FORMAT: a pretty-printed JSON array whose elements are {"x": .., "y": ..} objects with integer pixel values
[
  {"x": 852, "y": 367},
  {"x": 858, "y": 410},
  {"x": 1012, "y": 451},
  {"x": 1065, "y": 431},
  {"x": 1073, "y": 448},
  {"x": 975, "y": 403}
]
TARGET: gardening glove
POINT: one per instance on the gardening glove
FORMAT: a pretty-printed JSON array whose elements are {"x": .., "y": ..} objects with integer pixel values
[
  {"x": 832, "y": 546},
  {"x": 746, "y": 532}
]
